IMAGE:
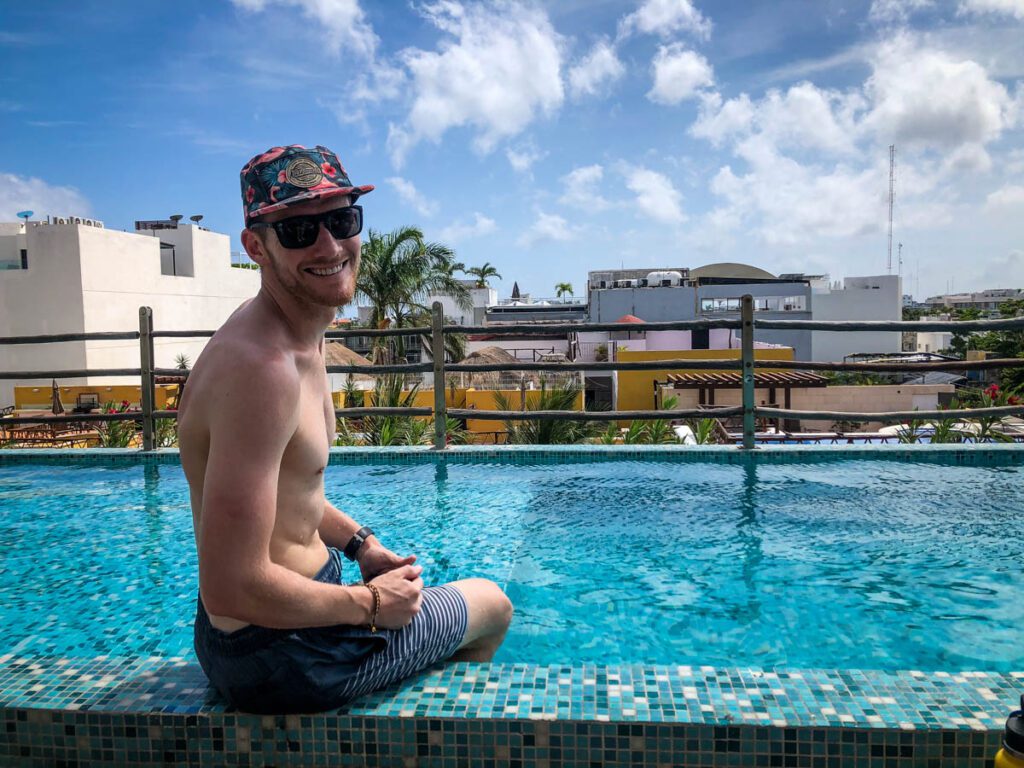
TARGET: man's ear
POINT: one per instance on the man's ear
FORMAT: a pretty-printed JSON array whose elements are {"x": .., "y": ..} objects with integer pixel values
[{"x": 254, "y": 246}]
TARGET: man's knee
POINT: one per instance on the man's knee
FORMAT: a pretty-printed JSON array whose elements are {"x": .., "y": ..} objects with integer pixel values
[{"x": 487, "y": 603}]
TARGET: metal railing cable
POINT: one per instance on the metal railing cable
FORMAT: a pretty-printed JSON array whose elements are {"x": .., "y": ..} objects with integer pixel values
[{"x": 746, "y": 363}]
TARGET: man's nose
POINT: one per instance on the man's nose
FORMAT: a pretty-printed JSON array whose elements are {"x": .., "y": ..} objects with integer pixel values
[{"x": 325, "y": 238}]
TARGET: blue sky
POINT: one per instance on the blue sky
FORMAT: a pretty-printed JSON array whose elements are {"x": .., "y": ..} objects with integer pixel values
[{"x": 549, "y": 138}]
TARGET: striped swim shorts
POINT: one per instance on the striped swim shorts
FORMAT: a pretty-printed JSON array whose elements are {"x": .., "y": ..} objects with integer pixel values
[{"x": 263, "y": 670}]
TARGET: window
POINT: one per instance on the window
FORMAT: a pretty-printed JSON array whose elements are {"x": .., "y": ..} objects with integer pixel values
[
  {"x": 24, "y": 258},
  {"x": 168, "y": 260},
  {"x": 761, "y": 304}
]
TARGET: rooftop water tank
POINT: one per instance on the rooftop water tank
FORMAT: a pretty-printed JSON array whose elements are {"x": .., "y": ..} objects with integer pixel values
[{"x": 661, "y": 279}]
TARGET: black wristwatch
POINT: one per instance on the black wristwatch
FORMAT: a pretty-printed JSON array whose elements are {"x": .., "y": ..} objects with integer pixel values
[{"x": 356, "y": 542}]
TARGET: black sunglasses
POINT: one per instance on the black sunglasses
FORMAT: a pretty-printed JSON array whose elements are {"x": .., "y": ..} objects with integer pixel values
[{"x": 302, "y": 231}]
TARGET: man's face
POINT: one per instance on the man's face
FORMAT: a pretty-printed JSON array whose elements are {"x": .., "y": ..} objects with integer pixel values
[{"x": 324, "y": 273}]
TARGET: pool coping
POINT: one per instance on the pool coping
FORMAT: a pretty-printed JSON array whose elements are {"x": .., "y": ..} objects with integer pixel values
[
  {"x": 657, "y": 713},
  {"x": 456, "y": 454},
  {"x": 154, "y": 711}
]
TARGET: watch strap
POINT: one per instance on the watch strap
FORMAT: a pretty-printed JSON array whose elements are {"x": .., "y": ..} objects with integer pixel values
[{"x": 357, "y": 541}]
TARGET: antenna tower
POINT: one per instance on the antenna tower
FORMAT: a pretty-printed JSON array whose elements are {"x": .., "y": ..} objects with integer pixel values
[{"x": 892, "y": 180}]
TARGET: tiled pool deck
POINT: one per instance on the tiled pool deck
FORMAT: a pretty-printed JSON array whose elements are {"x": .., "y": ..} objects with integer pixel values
[{"x": 107, "y": 711}]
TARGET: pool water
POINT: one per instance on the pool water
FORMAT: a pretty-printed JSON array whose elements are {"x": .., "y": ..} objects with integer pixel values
[{"x": 868, "y": 564}]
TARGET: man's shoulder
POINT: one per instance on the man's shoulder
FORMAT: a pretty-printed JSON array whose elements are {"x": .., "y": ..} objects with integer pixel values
[{"x": 249, "y": 366}]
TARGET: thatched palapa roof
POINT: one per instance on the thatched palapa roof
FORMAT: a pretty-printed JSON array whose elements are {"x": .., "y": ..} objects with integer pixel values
[
  {"x": 336, "y": 353},
  {"x": 501, "y": 379}
]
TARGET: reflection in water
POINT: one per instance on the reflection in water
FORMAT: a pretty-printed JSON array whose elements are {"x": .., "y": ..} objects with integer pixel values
[
  {"x": 155, "y": 523},
  {"x": 441, "y": 517},
  {"x": 150, "y": 483},
  {"x": 441, "y": 474},
  {"x": 748, "y": 531}
]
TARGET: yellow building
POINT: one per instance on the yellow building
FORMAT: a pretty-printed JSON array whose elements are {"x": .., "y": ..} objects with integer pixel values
[
  {"x": 41, "y": 397},
  {"x": 636, "y": 389}
]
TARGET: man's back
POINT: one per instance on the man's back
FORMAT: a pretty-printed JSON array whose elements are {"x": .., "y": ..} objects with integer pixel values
[{"x": 250, "y": 373}]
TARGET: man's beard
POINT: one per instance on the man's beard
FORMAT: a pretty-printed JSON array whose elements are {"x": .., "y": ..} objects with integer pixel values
[{"x": 302, "y": 293}]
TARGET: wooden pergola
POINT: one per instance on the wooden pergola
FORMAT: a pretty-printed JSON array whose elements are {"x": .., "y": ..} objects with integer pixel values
[{"x": 708, "y": 382}]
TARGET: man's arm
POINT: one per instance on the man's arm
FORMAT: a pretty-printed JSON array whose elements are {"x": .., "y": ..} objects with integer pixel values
[
  {"x": 337, "y": 528},
  {"x": 253, "y": 415}
]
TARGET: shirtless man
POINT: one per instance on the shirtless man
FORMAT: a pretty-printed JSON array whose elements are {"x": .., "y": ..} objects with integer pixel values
[{"x": 277, "y": 630}]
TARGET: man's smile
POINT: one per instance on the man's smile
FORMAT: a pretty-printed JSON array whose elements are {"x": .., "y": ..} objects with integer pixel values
[{"x": 327, "y": 271}]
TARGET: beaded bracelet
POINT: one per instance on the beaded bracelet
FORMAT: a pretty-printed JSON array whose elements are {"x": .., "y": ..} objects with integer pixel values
[{"x": 376, "y": 605}]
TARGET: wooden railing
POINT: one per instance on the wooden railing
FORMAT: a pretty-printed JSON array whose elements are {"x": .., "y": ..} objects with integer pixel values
[{"x": 746, "y": 323}]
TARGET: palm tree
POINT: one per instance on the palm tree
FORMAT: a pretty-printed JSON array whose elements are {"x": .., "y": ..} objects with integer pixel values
[
  {"x": 560, "y": 397},
  {"x": 563, "y": 288},
  {"x": 399, "y": 270},
  {"x": 482, "y": 273}
]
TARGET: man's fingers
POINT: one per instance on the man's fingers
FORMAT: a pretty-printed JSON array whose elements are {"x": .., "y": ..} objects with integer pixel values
[{"x": 411, "y": 572}]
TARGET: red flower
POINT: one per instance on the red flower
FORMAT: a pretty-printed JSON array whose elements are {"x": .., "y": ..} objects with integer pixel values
[{"x": 1014, "y": 400}]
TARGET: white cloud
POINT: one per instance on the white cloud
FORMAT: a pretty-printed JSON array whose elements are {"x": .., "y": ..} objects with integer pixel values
[
  {"x": 582, "y": 189},
  {"x": 599, "y": 67},
  {"x": 1009, "y": 197},
  {"x": 1005, "y": 271},
  {"x": 803, "y": 117},
  {"x": 523, "y": 157},
  {"x": 678, "y": 73},
  {"x": 1013, "y": 162},
  {"x": 547, "y": 227},
  {"x": 813, "y": 162},
  {"x": 1013, "y": 8},
  {"x": 346, "y": 29},
  {"x": 412, "y": 197},
  {"x": 927, "y": 97},
  {"x": 884, "y": 11},
  {"x": 498, "y": 68},
  {"x": 655, "y": 195},
  {"x": 665, "y": 18},
  {"x": 786, "y": 202},
  {"x": 25, "y": 193},
  {"x": 718, "y": 120},
  {"x": 460, "y": 230}
]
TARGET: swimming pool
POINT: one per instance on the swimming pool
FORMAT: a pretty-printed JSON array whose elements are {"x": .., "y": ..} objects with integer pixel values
[
  {"x": 872, "y": 564},
  {"x": 795, "y": 589}
]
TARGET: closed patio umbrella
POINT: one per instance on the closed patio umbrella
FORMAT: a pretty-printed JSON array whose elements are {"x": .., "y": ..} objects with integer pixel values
[{"x": 57, "y": 406}]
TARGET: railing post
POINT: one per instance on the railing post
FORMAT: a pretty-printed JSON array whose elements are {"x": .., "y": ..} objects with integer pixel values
[
  {"x": 146, "y": 355},
  {"x": 440, "y": 407},
  {"x": 747, "y": 356}
]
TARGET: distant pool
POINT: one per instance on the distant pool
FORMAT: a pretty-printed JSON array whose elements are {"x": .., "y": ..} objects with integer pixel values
[{"x": 874, "y": 563}]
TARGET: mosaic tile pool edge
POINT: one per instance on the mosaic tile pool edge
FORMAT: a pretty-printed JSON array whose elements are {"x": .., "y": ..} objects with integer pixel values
[
  {"x": 150, "y": 711},
  {"x": 985, "y": 454}
]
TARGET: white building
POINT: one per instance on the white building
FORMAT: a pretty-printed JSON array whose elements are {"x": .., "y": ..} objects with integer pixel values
[
  {"x": 481, "y": 298},
  {"x": 933, "y": 341},
  {"x": 877, "y": 297},
  {"x": 82, "y": 278},
  {"x": 986, "y": 301}
]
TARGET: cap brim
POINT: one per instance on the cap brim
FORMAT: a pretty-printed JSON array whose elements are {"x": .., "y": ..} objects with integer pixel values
[{"x": 305, "y": 197}]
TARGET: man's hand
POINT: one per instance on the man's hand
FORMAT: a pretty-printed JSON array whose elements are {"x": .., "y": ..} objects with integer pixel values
[
  {"x": 375, "y": 559},
  {"x": 400, "y": 596}
]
